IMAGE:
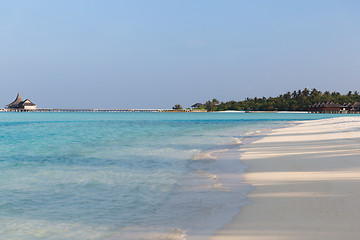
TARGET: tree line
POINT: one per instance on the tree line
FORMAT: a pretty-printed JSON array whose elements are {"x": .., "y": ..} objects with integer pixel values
[{"x": 290, "y": 101}]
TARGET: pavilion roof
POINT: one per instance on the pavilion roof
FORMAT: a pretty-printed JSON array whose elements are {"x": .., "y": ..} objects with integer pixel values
[{"x": 16, "y": 102}]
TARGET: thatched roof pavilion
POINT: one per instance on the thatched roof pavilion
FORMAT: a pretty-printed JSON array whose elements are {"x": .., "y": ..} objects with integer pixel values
[{"x": 18, "y": 103}]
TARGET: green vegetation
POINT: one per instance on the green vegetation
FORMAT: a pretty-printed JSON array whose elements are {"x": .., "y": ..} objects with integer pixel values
[
  {"x": 295, "y": 101},
  {"x": 177, "y": 107}
]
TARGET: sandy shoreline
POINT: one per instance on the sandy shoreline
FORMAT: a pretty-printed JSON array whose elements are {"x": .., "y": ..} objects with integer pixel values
[{"x": 307, "y": 180}]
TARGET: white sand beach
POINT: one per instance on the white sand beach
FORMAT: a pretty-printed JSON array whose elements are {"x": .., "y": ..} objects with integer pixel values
[{"x": 307, "y": 184}]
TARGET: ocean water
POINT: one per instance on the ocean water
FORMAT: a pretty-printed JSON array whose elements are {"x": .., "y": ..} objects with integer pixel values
[{"x": 125, "y": 175}]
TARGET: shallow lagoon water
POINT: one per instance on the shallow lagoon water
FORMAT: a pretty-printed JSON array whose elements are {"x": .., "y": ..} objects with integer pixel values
[{"x": 123, "y": 175}]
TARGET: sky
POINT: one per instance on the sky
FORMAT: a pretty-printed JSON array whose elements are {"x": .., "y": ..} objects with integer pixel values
[{"x": 158, "y": 53}]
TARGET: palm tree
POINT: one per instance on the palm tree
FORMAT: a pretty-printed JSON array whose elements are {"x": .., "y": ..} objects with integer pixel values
[{"x": 177, "y": 107}]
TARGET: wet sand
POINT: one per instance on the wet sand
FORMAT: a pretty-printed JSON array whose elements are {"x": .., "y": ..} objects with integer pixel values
[{"x": 307, "y": 184}]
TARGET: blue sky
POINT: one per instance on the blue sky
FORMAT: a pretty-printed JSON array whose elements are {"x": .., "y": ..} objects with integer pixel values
[{"x": 155, "y": 54}]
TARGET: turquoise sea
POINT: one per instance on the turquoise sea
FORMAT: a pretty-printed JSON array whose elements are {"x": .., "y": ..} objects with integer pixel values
[{"x": 124, "y": 175}]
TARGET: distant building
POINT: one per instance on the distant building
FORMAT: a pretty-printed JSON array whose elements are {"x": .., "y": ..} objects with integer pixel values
[
  {"x": 354, "y": 107},
  {"x": 196, "y": 105},
  {"x": 18, "y": 103},
  {"x": 335, "y": 108}
]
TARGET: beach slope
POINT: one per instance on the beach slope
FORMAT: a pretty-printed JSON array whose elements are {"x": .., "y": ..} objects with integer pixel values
[{"x": 307, "y": 184}]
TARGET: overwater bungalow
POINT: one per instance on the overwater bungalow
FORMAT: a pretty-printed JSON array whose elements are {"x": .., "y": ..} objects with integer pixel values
[{"x": 335, "y": 108}]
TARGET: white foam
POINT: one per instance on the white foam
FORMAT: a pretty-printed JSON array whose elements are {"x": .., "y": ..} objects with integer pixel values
[{"x": 24, "y": 228}]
